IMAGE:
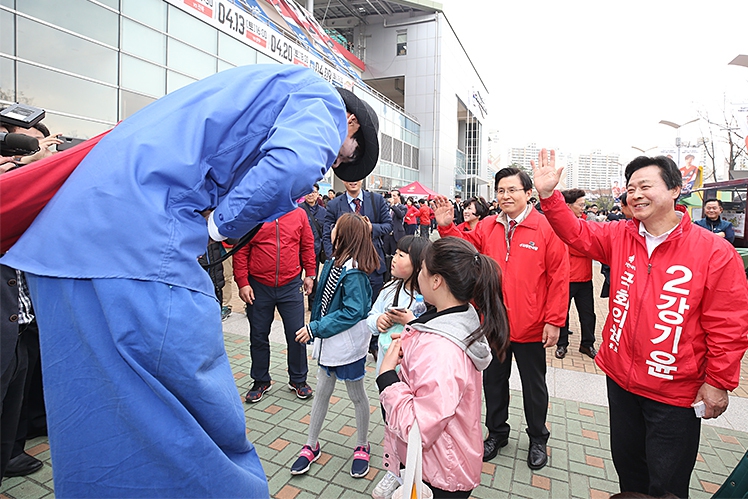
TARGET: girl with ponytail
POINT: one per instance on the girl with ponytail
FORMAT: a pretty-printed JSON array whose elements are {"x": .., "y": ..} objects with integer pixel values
[{"x": 441, "y": 356}]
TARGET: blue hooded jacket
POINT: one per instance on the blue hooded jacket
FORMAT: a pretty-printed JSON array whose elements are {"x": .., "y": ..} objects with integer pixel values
[{"x": 248, "y": 142}]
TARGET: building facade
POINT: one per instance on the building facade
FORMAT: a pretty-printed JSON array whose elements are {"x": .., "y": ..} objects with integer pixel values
[
  {"x": 93, "y": 63},
  {"x": 597, "y": 172},
  {"x": 414, "y": 57}
]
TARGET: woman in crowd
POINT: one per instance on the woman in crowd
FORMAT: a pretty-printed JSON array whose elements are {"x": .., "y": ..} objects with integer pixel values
[
  {"x": 411, "y": 217},
  {"x": 475, "y": 210}
]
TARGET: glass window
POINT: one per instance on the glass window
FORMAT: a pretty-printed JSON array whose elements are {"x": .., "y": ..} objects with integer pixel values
[
  {"x": 188, "y": 60},
  {"x": 191, "y": 30},
  {"x": 67, "y": 94},
  {"x": 175, "y": 81},
  {"x": 74, "y": 127},
  {"x": 235, "y": 51},
  {"x": 265, "y": 59},
  {"x": 223, "y": 66},
  {"x": 131, "y": 103},
  {"x": 402, "y": 43},
  {"x": 143, "y": 77},
  {"x": 143, "y": 42},
  {"x": 7, "y": 80},
  {"x": 7, "y": 33},
  {"x": 146, "y": 11},
  {"x": 79, "y": 16},
  {"x": 71, "y": 53}
]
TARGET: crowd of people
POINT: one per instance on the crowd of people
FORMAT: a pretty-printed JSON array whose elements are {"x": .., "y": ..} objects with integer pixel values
[{"x": 443, "y": 294}]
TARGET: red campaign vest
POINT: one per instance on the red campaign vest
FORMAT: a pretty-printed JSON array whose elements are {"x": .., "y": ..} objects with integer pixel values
[{"x": 25, "y": 191}]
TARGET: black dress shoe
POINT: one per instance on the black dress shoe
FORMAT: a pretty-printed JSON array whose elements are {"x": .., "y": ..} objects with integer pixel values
[
  {"x": 560, "y": 352},
  {"x": 537, "y": 457},
  {"x": 39, "y": 432},
  {"x": 491, "y": 447},
  {"x": 23, "y": 465},
  {"x": 588, "y": 351}
]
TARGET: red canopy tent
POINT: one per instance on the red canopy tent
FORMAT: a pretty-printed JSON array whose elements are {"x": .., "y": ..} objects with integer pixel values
[{"x": 417, "y": 190}]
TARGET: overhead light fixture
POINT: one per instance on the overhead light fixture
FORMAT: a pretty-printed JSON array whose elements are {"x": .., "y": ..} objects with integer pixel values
[{"x": 741, "y": 60}]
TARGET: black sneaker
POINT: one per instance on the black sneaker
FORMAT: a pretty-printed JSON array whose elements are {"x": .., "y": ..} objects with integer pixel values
[
  {"x": 303, "y": 390},
  {"x": 258, "y": 390}
]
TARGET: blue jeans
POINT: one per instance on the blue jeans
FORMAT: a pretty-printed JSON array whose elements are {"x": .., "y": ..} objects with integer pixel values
[{"x": 290, "y": 303}]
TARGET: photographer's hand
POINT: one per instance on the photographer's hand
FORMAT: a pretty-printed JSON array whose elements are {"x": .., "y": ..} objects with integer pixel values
[
  {"x": 6, "y": 163},
  {"x": 44, "y": 145}
]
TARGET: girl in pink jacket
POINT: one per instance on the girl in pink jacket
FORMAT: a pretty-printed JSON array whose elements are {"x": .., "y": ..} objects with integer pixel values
[{"x": 441, "y": 356}]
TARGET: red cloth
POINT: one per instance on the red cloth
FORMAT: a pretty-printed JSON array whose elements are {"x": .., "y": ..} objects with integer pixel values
[
  {"x": 25, "y": 191},
  {"x": 274, "y": 256},
  {"x": 677, "y": 319},
  {"x": 535, "y": 273}
]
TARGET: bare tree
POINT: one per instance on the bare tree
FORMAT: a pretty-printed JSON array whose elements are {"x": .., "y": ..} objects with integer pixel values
[{"x": 729, "y": 141}]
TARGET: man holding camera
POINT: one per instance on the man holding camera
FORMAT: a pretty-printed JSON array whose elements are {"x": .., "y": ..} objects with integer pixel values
[{"x": 21, "y": 393}]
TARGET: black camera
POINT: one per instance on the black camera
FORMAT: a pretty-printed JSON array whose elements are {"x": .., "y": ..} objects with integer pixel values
[
  {"x": 17, "y": 144},
  {"x": 21, "y": 115},
  {"x": 24, "y": 116}
]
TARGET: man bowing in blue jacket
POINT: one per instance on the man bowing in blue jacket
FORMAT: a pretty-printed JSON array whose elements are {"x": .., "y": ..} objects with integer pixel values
[{"x": 141, "y": 400}]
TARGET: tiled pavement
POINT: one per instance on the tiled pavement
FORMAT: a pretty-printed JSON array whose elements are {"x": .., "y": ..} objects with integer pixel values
[{"x": 579, "y": 465}]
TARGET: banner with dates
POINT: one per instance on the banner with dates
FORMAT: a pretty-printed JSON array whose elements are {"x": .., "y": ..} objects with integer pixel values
[
  {"x": 239, "y": 19},
  {"x": 303, "y": 24}
]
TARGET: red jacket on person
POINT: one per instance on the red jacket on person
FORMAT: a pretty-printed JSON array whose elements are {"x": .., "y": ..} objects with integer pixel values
[
  {"x": 424, "y": 214},
  {"x": 580, "y": 266},
  {"x": 464, "y": 227},
  {"x": 275, "y": 255},
  {"x": 535, "y": 271},
  {"x": 678, "y": 318},
  {"x": 411, "y": 218}
]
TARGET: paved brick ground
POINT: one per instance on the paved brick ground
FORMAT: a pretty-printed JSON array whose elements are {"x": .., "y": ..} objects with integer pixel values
[{"x": 579, "y": 465}]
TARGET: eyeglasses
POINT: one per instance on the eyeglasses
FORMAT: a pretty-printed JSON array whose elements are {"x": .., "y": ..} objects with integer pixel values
[{"x": 511, "y": 191}]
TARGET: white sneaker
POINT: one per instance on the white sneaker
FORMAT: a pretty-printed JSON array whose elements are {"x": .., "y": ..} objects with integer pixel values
[{"x": 386, "y": 486}]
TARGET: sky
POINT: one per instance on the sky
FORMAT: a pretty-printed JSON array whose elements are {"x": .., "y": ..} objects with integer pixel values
[{"x": 586, "y": 75}]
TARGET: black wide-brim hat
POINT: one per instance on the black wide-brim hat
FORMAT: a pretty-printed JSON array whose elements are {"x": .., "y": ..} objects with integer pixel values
[{"x": 369, "y": 123}]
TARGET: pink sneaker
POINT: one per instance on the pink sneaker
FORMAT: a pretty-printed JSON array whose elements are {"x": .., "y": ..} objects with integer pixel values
[{"x": 306, "y": 457}]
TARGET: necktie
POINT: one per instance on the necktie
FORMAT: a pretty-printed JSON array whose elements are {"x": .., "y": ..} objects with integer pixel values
[
  {"x": 512, "y": 226},
  {"x": 357, "y": 202}
]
